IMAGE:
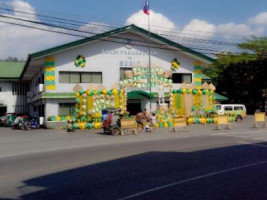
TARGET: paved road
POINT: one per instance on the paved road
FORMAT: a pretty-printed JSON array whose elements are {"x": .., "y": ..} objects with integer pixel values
[{"x": 197, "y": 165}]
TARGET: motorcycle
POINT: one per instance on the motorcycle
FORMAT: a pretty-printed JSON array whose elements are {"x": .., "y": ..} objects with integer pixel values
[
  {"x": 34, "y": 124},
  {"x": 19, "y": 123},
  {"x": 112, "y": 124}
]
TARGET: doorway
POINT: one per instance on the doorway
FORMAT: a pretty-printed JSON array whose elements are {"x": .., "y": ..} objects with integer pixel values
[
  {"x": 3, "y": 110},
  {"x": 134, "y": 106}
]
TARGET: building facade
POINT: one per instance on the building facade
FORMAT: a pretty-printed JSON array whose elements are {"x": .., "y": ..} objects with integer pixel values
[{"x": 101, "y": 60}]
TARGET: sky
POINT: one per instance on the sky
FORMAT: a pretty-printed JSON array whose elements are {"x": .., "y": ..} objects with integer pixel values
[{"x": 179, "y": 20}]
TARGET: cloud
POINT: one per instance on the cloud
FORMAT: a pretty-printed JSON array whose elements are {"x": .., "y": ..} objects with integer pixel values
[
  {"x": 198, "y": 29},
  {"x": 23, "y": 6},
  {"x": 232, "y": 29},
  {"x": 260, "y": 19},
  {"x": 17, "y": 41},
  {"x": 158, "y": 22}
]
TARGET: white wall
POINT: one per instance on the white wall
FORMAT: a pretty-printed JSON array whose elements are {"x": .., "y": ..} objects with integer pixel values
[
  {"x": 107, "y": 57},
  {"x": 6, "y": 96}
]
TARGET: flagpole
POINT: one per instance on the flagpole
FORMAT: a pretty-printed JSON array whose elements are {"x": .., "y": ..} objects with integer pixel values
[{"x": 149, "y": 65}]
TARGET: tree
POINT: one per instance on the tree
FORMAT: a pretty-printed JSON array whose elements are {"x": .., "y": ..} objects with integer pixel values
[{"x": 242, "y": 77}]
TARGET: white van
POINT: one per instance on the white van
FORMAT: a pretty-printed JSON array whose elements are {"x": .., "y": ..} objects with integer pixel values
[{"x": 236, "y": 109}]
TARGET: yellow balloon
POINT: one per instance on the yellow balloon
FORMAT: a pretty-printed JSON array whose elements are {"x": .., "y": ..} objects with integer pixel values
[
  {"x": 157, "y": 125},
  {"x": 190, "y": 120},
  {"x": 215, "y": 120},
  {"x": 166, "y": 125},
  {"x": 184, "y": 91},
  {"x": 203, "y": 121},
  {"x": 58, "y": 118},
  {"x": 114, "y": 92},
  {"x": 104, "y": 92},
  {"x": 97, "y": 125},
  {"x": 68, "y": 118},
  {"x": 88, "y": 92},
  {"x": 82, "y": 125}
]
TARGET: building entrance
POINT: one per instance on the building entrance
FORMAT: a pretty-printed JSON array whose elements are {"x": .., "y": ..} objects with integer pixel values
[
  {"x": 3, "y": 110},
  {"x": 134, "y": 106}
]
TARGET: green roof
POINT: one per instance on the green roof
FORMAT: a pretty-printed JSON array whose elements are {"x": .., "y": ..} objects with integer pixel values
[
  {"x": 10, "y": 69},
  {"x": 116, "y": 31},
  {"x": 219, "y": 97},
  {"x": 111, "y": 33}
]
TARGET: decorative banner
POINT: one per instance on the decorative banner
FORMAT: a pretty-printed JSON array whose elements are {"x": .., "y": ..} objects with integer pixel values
[
  {"x": 140, "y": 78},
  {"x": 80, "y": 61},
  {"x": 175, "y": 64},
  {"x": 197, "y": 75},
  {"x": 50, "y": 79}
]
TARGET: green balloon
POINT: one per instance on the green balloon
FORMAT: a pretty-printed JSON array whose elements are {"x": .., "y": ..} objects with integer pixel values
[
  {"x": 75, "y": 126},
  {"x": 63, "y": 118},
  {"x": 89, "y": 125},
  {"x": 77, "y": 100},
  {"x": 76, "y": 110},
  {"x": 92, "y": 93},
  {"x": 81, "y": 92},
  {"x": 194, "y": 91}
]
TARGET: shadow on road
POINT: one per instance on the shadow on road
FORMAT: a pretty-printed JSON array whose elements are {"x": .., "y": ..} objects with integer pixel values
[{"x": 126, "y": 176}]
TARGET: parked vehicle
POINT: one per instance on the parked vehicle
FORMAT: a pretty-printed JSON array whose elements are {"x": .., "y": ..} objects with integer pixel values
[
  {"x": 111, "y": 125},
  {"x": 9, "y": 119},
  {"x": 34, "y": 124},
  {"x": 3, "y": 120},
  {"x": 21, "y": 123},
  {"x": 239, "y": 110}
]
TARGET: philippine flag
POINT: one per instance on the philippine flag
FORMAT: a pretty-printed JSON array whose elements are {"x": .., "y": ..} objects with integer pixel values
[{"x": 146, "y": 8}]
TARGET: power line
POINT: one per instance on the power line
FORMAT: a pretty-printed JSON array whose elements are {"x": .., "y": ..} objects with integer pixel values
[
  {"x": 79, "y": 23},
  {"x": 87, "y": 32},
  {"x": 153, "y": 47}
]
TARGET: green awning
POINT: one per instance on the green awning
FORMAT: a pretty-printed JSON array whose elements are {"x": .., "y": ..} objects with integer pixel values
[
  {"x": 138, "y": 94},
  {"x": 219, "y": 97},
  {"x": 46, "y": 95}
]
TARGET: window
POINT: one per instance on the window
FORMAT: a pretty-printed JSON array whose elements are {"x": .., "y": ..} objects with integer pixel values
[
  {"x": 66, "y": 108},
  {"x": 86, "y": 78},
  {"x": 75, "y": 77},
  {"x": 218, "y": 107},
  {"x": 64, "y": 77},
  {"x": 228, "y": 108},
  {"x": 80, "y": 77},
  {"x": 122, "y": 73},
  {"x": 238, "y": 108},
  {"x": 182, "y": 78},
  {"x": 0, "y": 89}
]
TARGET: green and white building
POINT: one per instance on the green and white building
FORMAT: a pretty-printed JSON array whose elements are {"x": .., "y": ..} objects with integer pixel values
[{"x": 51, "y": 75}]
